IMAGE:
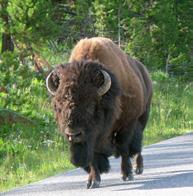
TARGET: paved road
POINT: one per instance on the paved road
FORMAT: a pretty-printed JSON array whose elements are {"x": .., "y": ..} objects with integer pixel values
[{"x": 168, "y": 171}]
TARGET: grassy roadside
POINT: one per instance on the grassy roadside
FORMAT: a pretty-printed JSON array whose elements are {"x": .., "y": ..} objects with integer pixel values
[
  {"x": 29, "y": 153},
  {"x": 171, "y": 112}
]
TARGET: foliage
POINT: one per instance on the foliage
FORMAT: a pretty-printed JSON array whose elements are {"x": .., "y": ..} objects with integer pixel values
[
  {"x": 157, "y": 32},
  {"x": 160, "y": 31},
  {"x": 29, "y": 23},
  {"x": 17, "y": 92},
  {"x": 31, "y": 20}
]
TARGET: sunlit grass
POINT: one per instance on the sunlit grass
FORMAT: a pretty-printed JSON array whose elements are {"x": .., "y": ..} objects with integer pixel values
[
  {"x": 26, "y": 157},
  {"x": 172, "y": 111},
  {"x": 32, "y": 166}
]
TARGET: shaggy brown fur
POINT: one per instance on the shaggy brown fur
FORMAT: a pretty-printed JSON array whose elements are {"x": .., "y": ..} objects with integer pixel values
[
  {"x": 108, "y": 124},
  {"x": 115, "y": 60}
]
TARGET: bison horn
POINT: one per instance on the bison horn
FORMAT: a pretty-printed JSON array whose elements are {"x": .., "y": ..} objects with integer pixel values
[
  {"x": 106, "y": 85},
  {"x": 50, "y": 85}
]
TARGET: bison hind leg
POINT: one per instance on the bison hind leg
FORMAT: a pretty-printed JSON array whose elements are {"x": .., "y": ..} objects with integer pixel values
[
  {"x": 136, "y": 144},
  {"x": 139, "y": 164},
  {"x": 135, "y": 148}
]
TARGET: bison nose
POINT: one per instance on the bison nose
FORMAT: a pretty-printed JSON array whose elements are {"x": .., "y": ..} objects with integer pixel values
[{"x": 73, "y": 135}]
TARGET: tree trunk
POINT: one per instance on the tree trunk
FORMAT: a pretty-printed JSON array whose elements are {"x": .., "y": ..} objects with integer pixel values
[
  {"x": 7, "y": 42},
  {"x": 10, "y": 117},
  {"x": 119, "y": 27}
]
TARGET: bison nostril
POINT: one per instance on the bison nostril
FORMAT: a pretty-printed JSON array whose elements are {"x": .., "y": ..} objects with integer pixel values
[
  {"x": 73, "y": 136},
  {"x": 78, "y": 134},
  {"x": 76, "y": 137}
]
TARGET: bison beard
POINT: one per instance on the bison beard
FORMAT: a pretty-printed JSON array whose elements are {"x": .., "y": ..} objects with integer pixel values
[
  {"x": 100, "y": 111},
  {"x": 79, "y": 154}
]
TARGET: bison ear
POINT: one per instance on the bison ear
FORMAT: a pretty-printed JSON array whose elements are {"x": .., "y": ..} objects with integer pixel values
[{"x": 52, "y": 82}]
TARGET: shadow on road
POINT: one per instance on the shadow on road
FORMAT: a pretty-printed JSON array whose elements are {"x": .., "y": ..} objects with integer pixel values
[{"x": 179, "y": 180}]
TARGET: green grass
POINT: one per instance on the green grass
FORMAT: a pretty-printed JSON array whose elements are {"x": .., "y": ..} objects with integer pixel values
[
  {"x": 30, "y": 153},
  {"x": 171, "y": 112},
  {"x": 32, "y": 166}
]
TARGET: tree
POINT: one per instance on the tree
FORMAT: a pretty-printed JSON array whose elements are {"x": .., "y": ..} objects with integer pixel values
[
  {"x": 160, "y": 33},
  {"x": 7, "y": 42},
  {"x": 28, "y": 22}
]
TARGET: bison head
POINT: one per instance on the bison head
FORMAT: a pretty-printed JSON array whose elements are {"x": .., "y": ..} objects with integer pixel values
[{"x": 83, "y": 100}]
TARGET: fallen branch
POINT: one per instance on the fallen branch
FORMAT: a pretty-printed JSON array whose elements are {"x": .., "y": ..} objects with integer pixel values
[{"x": 10, "y": 117}]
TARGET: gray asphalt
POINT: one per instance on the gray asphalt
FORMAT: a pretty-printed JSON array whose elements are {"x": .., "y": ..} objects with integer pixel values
[{"x": 168, "y": 171}]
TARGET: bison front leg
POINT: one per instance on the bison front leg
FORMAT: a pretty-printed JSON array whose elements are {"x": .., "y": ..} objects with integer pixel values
[
  {"x": 94, "y": 178},
  {"x": 126, "y": 168},
  {"x": 99, "y": 164}
]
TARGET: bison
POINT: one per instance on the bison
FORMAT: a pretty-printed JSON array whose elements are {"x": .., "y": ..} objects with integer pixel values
[{"x": 101, "y": 99}]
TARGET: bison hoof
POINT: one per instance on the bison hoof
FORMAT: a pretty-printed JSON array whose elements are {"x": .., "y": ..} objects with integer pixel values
[
  {"x": 124, "y": 178},
  {"x": 139, "y": 170},
  {"x": 130, "y": 177},
  {"x": 93, "y": 185}
]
